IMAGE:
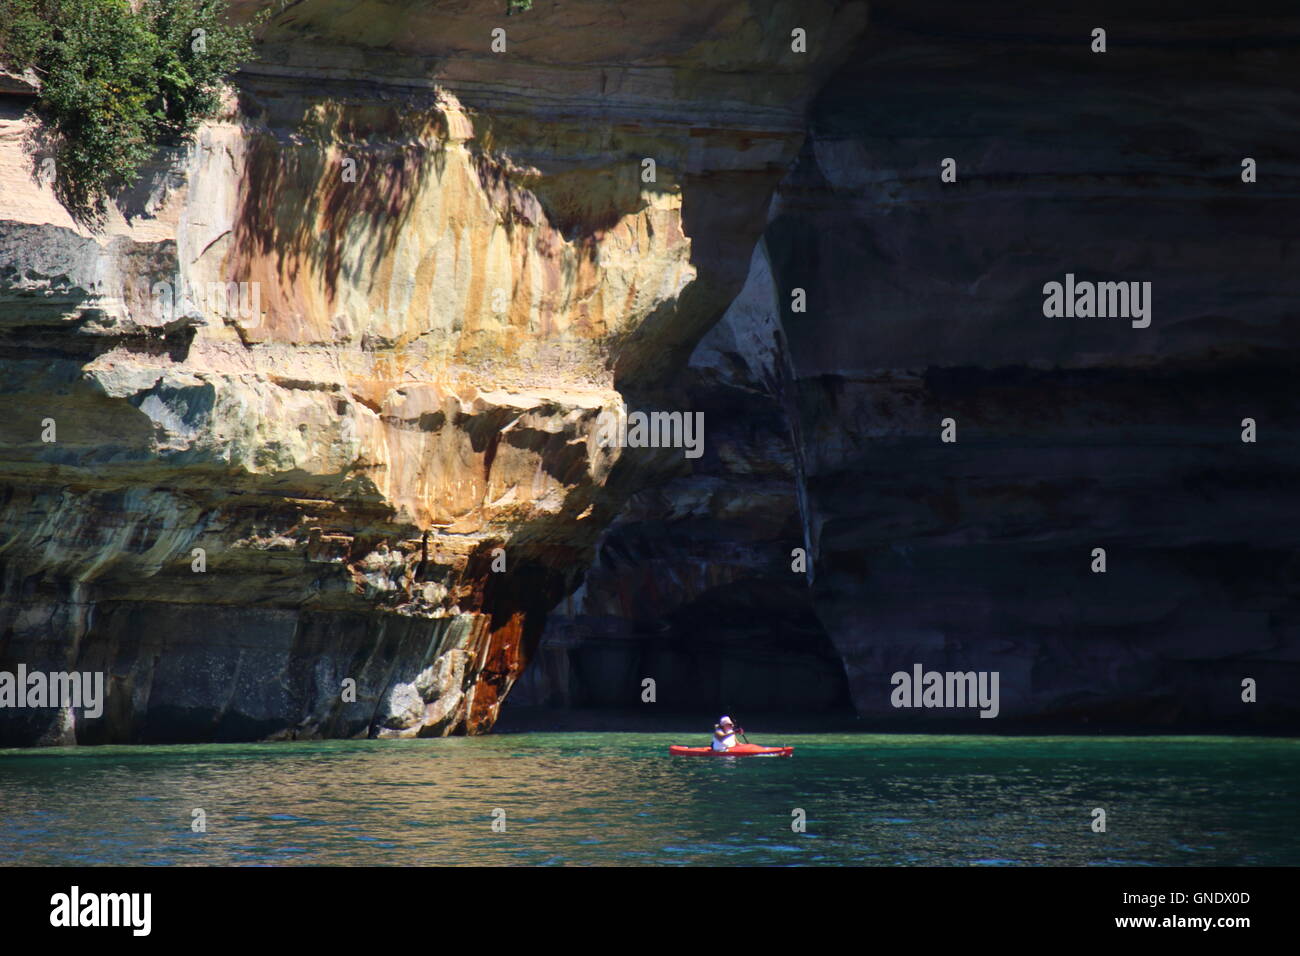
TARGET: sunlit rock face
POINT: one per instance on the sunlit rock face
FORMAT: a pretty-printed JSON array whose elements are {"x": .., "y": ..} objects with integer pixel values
[
  {"x": 303, "y": 441},
  {"x": 925, "y": 302}
]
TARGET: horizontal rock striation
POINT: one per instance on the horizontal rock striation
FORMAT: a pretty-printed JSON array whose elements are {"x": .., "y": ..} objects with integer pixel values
[{"x": 926, "y": 302}]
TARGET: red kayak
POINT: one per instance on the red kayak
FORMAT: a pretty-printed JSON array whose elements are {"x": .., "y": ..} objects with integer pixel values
[{"x": 740, "y": 750}]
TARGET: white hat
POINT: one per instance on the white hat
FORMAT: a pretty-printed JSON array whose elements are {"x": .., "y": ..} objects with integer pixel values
[{"x": 725, "y": 720}]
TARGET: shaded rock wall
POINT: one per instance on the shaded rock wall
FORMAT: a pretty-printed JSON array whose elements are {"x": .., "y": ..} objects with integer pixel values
[
  {"x": 925, "y": 303},
  {"x": 691, "y": 586},
  {"x": 411, "y": 375}
]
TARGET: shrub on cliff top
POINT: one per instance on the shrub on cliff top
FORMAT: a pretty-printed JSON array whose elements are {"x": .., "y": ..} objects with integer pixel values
[{"x": 117, "y": 82}]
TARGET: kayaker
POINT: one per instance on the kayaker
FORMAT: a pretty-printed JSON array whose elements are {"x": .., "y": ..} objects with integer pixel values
[{"x": 724, "y": 734}]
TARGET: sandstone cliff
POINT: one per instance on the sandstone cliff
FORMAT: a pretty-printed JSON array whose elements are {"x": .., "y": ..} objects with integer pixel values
[
  {"x": 420, "y": 381},
  {"x": 375, "y": 459}
]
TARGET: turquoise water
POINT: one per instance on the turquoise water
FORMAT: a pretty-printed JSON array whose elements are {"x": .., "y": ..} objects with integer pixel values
[{"x": 619, "y": 799}]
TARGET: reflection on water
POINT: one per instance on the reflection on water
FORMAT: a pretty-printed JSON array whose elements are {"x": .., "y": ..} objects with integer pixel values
[{"x": 619, "y": 799}]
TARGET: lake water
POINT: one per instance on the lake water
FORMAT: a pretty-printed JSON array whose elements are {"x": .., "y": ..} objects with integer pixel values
[{"x": 581, "y": 798}]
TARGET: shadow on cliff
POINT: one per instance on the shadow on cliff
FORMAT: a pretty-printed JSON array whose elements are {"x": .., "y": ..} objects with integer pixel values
[{"x": 301, "y": 195}]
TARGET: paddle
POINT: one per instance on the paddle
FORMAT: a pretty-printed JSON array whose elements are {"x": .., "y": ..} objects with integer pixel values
[{"x": 739, "y": 730}]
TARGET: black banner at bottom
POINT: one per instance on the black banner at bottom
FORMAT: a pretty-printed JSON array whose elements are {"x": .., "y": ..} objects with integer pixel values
[{"x": 307, "y": 905}]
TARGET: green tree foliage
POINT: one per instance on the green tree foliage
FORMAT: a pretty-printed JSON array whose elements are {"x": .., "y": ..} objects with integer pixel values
[{"x": 119, "y": 81}]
